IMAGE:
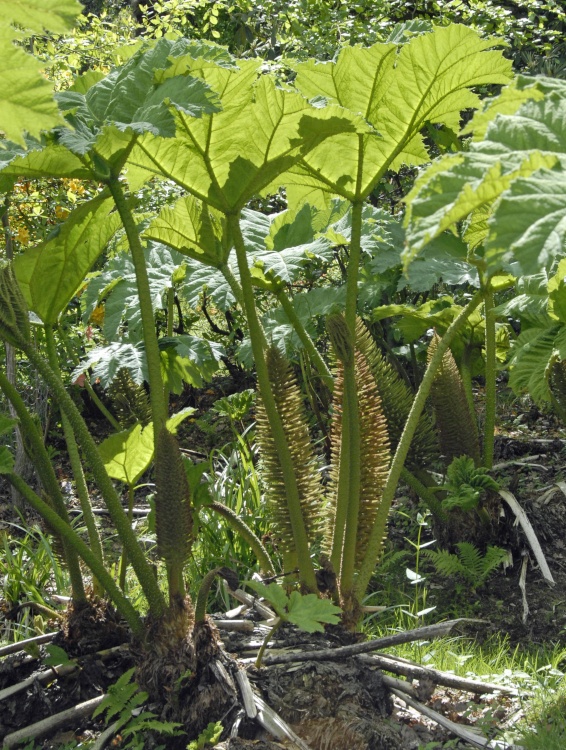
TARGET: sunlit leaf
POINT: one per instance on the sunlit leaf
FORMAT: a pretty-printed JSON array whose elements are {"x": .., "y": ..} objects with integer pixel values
[{"x": 50, "y": 273}]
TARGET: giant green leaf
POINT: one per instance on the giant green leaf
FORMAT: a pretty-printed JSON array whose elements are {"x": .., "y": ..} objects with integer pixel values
[
  {"x": 226, "y": 158},
  {"x": 26, "y": 97},
  {"x": 107, "y": 361},
  {"x": 429, "y": 80},
  {"x": 117, "y": 287},
  {"x": 511, "y": 182},
  {"x": 50, "y": 273},
  {"x": 529, "y": 224},
  {"x": 40, "y": 15}
]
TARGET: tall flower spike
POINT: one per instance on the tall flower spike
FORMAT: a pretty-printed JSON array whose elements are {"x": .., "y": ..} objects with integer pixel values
[
  {"x": 374, "y": 448},
  {"x": 290, "y": 406},
  {"x": 173, "y": 516},
  {"x": 397, "y": 399},
  {"x": 454, "y": 421}
]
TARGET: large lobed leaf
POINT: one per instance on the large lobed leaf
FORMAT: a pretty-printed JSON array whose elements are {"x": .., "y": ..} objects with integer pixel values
[
  {"x": 227, "y": 158},
  {"x": 50, "y": 274},
  {"x": 428, "y": 80},
  {"x": 511, "y": 182}
]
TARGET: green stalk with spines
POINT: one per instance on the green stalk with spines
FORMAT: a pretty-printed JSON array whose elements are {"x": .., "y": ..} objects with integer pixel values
[
  {"x": 153, "y": 357},
  {"x": 490, "y": 378},
  {"x": 136, "y": 554},
  {"x": 241, "y": 528},
  {"x": 48, "y": 479},
  {"x": 76, "y": 464},
  {"x": 170, "y": 319},
  {"x": 351, "y": 448},
  {"x": 306, "y": 340},
  {"x": 73, "y": 539},
  {"x": 257, "y": 336},
  {"x": 173, "y": 516},
  {"x": 378, "y": 531}
]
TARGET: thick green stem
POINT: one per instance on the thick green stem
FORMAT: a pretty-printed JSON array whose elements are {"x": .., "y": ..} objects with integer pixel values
[
  {"x": 49, "y": 481},
  {"x": 103, "y": 410},
  {"x": 352, "y": 423},
  {"x": 432, "y": 502},
  {"x": 73, "y": 539},
  {"x": 378, "y": 531},
  {"x": 490, "y": 380},
  {"x": 124, "y": 557},
  {"x": 257, "y": 338},
  {"x": 466, "y": 375},
  {"x": 76, "y": 465},
  {"x": 233, "y": 284},
  {"x": 242, "y": 529},
  {"x": 156, "y": 390},
  {"x": 136, "y": 554},
  {"x": 306, "y": 340}
]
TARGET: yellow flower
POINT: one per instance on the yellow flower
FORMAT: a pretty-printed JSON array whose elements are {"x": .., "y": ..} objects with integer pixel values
[
  {"x": 23, "y": 236},
  {"x": 61, "y": 213},
  {"x": 97, "y": 315}
]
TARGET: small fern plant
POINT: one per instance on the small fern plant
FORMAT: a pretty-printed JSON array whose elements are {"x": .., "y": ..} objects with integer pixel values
[
  {"x": 121, "y": 704},
  {"x": 468, "y": 563}
]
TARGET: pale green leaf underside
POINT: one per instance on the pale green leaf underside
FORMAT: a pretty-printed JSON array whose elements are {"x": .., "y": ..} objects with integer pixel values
[
  {"x": 128, "y": 454},
  {"x": 227, "y": 158},
  {"x": 428, "y": 81},
  {"x": 191, "y": 228},
  {"x": 6, "y": 460},
  {"x": 50, "y": 273},
  {"x": 505, "y": 182}
]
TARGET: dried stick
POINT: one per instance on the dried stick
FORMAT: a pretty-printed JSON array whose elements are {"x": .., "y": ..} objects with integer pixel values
[
  {"x": 522, "y": 518},
  {"x": 474, "y": 737},
  {"x": 251, "y": 601},
  {"x": 417, "y": 672},
  {"x": 13, "y": 648},
  {"x": 343, "y": 652},
  {"x": 52, "y": 722}
]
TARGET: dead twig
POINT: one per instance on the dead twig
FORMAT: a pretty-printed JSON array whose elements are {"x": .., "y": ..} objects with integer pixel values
[
  {"x": 13, "y": 648},
  {"x": 418, "y": 672},
  {"x": 52, "y": 722},
  {"x": 343, "y": 652}
]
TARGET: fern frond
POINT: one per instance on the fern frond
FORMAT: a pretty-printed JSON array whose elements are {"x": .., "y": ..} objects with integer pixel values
[
  {"x": 130, "y": 400},
  {"x": 397, "y": 399},
  {"x": 469, "y": 563},
  {"x": 456, "y": 425},
  {"x": 290, "y": 406}
]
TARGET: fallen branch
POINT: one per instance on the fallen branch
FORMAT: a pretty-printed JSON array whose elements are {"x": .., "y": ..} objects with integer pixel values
[
  {"x": 41, "y": 677},
  {"x": 52, "y": 722},
  {"x": 13, "y": 648},
  {"x": 472, "y": 736},
  {"x": 251, "y": 601},
  {"x": 521, "y": 516},
  {"x": 343, "y": 652},
  {"x": 418, "y": 672},
  {"x": 239, "y": 626}
]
